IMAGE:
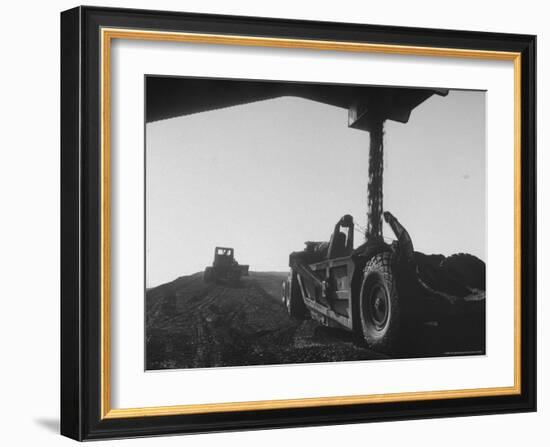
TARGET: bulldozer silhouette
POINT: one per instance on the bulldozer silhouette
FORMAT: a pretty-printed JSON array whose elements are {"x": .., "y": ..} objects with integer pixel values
[{"x": 225, "y": 268}]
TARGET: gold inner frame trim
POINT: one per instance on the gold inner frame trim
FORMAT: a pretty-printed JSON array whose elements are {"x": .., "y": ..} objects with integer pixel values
[{"x": 107, "y": 35}]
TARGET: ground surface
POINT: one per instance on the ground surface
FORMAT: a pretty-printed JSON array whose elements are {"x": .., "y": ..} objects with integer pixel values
[{"x": 191, "y": 324}]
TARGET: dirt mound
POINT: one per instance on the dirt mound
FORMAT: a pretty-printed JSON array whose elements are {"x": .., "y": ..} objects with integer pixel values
[{"x": 191, "y": 324}]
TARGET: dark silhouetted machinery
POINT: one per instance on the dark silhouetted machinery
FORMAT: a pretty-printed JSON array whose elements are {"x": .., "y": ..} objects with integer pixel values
[
  {"x": 225, "y": 268},
  {"x": 382, "y": 290}
]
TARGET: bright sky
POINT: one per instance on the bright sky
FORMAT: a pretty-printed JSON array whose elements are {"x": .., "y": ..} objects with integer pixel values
[{"x": 267, "y": 176}]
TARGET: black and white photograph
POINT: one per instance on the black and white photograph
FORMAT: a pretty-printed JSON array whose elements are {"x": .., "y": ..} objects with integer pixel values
[
  {"x": 294, "y": 222},
  {"x": 284, "y": 220}
]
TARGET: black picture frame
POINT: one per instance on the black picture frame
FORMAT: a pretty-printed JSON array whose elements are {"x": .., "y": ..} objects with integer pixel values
[{"x": 81, "y": 208}]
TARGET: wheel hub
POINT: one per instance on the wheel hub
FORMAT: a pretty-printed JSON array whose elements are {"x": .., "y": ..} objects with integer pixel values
[{"x": 379, "y": 306}]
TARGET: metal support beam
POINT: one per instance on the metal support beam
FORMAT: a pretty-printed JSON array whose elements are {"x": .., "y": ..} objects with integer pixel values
[{"x": 374, "y": 191}]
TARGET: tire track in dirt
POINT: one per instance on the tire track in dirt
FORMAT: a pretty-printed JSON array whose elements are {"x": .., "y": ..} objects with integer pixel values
[{"x": 191, "y": 324}]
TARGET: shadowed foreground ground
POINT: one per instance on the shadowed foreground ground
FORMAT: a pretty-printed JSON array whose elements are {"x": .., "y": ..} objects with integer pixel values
[{"x": 190, "y": 324}]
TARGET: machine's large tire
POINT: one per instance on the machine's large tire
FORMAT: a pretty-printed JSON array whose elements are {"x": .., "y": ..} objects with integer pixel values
[
  {"x": 466, "y": 269},
  {"x": 379, "y": 306},
  {"x": 284, "y": 292},
  {"x": 294, "y": 301}
]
